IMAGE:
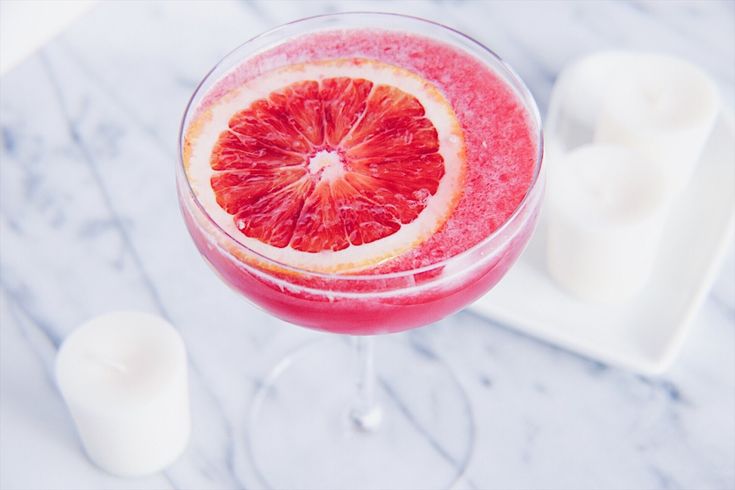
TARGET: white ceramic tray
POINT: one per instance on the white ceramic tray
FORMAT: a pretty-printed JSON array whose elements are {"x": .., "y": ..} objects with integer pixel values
[{"x": 646, "y": 333}]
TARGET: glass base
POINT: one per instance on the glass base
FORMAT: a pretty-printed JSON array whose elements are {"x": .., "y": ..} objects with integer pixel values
[{"x": 303, "y": 432}]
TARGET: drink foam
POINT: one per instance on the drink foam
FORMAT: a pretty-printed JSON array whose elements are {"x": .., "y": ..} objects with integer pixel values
[{"x": 501, "y": 144}]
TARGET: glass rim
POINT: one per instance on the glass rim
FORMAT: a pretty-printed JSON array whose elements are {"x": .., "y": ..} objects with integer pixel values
[{"x": 526, "y": 99}]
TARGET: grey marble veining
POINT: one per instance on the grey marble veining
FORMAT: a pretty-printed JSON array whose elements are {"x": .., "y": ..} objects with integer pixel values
[{"x": 89, "y": 223}]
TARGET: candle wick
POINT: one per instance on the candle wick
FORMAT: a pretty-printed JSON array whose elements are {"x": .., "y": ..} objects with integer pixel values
[
  {"x": 654, "y": 97},
  {"x": 117, "y": 366}
]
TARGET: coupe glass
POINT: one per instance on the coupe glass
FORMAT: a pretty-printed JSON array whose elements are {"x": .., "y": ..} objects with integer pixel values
[{"x": 329, "y": 415}]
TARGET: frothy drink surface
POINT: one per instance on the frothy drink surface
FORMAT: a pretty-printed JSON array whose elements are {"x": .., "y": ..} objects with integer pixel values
[{"x": 501, "y": 145}]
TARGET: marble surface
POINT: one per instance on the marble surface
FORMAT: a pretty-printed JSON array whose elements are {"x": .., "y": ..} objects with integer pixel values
[{"x": 90, "y": 224}]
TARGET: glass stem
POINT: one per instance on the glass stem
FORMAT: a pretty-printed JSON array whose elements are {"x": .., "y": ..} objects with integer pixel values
[{"x": 366, "y": 413}]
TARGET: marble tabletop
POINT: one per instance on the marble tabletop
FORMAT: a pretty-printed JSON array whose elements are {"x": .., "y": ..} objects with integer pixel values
[{"x": 90, "y": 224}]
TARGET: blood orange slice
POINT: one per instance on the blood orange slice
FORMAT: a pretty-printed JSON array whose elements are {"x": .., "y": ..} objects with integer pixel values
[{"x": 328, "y": 166}]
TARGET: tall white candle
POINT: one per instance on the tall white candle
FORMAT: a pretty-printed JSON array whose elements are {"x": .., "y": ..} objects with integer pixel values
[
  {"x": 606, "y": 211},
  {"x": 124, "y": 378},
  {"x": 663, "y": 107}
]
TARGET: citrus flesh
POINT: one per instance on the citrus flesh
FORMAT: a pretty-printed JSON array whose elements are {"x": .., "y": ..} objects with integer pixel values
[{"x": 330, "y": 166}]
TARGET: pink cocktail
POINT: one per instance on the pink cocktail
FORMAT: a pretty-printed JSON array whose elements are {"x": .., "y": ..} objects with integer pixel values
[{"x": 468, "y": 140}]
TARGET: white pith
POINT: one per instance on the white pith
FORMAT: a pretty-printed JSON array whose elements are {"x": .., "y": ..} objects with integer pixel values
[
  {"x": 215, "y": 119},
  {"x": 329, "y": 163}
]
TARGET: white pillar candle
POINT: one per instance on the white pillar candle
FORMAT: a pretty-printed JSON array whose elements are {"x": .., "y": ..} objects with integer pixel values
[
  {"x": 606, "y": 210},
  {"x": 124, "y": 378},
  {"x": 663, "y": 107},
  {"x": 577, "y": 99}
]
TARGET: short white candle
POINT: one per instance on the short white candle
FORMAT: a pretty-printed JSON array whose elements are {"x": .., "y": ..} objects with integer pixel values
[
  {"x": 663, "y": 107},
  {"x": 124, "y": 378},
  {"x": 577, "y": 99},
  {"x": 606, "y": 211}
]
